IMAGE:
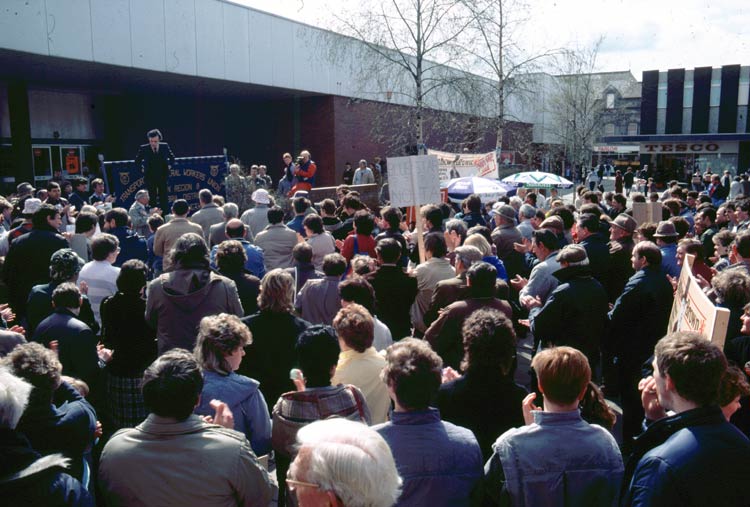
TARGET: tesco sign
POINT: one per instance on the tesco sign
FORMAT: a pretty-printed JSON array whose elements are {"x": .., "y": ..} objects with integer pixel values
[{"x": 690, "y": 147}]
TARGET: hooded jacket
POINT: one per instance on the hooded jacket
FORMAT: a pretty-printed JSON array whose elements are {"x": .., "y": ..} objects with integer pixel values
[
  {"x": 249, "y": 408},
  {"x": 177, "y": 301}
]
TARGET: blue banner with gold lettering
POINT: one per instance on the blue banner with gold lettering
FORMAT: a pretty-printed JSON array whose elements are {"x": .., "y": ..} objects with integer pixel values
[{"x": 188, "y": 176}]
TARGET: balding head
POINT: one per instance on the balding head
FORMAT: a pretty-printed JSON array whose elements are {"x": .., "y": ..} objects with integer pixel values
[{"x": 235, "y": 229}]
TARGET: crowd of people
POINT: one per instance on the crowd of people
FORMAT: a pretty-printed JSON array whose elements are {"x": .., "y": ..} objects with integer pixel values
[{"x": 263, "y": 350}]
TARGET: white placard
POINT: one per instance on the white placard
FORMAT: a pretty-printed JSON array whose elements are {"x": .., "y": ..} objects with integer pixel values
[{"x": 413, "y": 181}]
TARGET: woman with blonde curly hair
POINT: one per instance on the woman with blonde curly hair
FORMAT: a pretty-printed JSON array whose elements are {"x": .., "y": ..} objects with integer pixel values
[
  {"x": 219, "y": 350},
  {"x": 275, "y": 329}
]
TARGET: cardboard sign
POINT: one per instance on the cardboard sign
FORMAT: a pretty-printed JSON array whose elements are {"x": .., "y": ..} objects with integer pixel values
[
  {"x": 413, "y": 181},
  {"x": 644, "y": 212},
  {"x": 692, "y": 310}
]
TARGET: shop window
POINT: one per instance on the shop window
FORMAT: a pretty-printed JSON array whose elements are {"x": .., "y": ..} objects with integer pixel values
[
  {"x": 42, "y": 161},
  {"x": 632, "y": 128}
]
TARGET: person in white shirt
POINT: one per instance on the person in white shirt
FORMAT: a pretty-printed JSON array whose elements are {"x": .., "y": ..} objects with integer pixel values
[{"x": 100, "y": 275}]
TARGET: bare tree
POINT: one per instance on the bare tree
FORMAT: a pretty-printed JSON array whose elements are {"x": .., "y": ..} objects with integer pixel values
[
  {"x": 410, "y": 44},
  {"x": 577, "y": 105},
  {"x": 491, "y": 42}
]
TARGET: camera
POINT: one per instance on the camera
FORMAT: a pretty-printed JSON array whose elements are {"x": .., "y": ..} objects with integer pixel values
[{"x": 300, "y": 160}]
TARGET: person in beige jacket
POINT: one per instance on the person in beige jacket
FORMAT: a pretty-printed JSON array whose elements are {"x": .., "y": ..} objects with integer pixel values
[
  {"x": 175, "y": 457},
  {"x": 169, "y": 233}
]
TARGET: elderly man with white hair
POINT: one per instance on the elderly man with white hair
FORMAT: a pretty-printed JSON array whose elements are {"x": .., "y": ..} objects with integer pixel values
[
  {"x": 525, "y": 214},
  {"x": 26, "y": 478},
  {"x": 343, "y": 463}
]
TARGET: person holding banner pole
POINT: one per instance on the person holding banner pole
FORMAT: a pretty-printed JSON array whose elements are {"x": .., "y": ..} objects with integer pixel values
[{"x": 155, "y": 159}]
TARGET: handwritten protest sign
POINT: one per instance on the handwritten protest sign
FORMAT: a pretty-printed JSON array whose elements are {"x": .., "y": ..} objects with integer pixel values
[
  {"x": 644, "y": 212},
  {"x": 692, "y": 310},
  {"x": 414, "y": 181}
]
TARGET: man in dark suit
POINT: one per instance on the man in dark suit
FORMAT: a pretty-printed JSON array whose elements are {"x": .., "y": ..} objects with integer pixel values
[
  {"x": 395, "y": 290},
  {"x": 76, "y": 343},
  {"x": 155, "y": 160}
]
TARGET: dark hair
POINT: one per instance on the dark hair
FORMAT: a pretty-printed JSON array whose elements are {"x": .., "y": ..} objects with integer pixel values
[
  {"x": 724, "y": 237},
  {"x": 66, "y": 295},
  {"x": 172, "y": 384},
  {"x": 566, "y": 215},
  {"x": 589, "y": 222},
  {"x": 638, "y": 197},
  {"x": 302, "y": 252},
  {"x": 413, "y": 370},
  {"x": 275, "y": 215},
  {"x": 594, "y": 408},
  {"x": 103, "y": 245},
  {"x": 132, "y": 277},
  {"x": 482, "y": 231},
  {"x": 733, "y": 384},
  {"x": 119, "y": 215},
  {"x": 40, "y": 216},
  {"x": 590, "y": 196},
  {"x": 458, "y": 226},
  {"x": 358, "y": 290},
  {"x": 432, "y": 214},
  {"x": 85, "y": 221},
  {"x": 489, "y": 342},
  {"x": 389, "y": 250},
  {"x": 52, "y": 184},
  {"x": 621, "y": 200},
  {"x": 474, "y": 203},
  {"x": 435, "y": 243},
  {"x": 681, "y": 226},
  {"x": 329, "y": 206},
  {"x": 231, "y": 256},
  {"x": 742, "y": 243},
  {"x": 355, "y": 326},
  {"x": 317, "y": 354},
  {"x": 392, "y": 217},
  {"x": 314, "y": 223},
  {"x": 648, "y": 251},
  {"x": 695, "y": 365},
  {"x": 155, "y": 221},
  {"x": 300, "y": 204},
  {"x": 190, "y": 250},
  {"x": 364, "y": 222},
  {"x": 481, "y": 277},
  {"x": 547, "y": 238},
  {"x": 352, "y": 201},
  {"x": 180, "y": 207},
  {"x": 154, "y": 133},
  {"x": 334, "y": 264}
]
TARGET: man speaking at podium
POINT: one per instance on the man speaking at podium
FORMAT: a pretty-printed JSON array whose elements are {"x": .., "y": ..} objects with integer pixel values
[{"x": 155, "y": 160}]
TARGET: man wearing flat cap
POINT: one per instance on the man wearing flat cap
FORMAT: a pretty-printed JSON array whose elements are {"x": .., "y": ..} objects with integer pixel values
[
  {"x": 621, "y": 245},
  {"x": 575, "y": 313},
  {"x": 504, "y": 236},
  {"x": 666, "y": 239}
]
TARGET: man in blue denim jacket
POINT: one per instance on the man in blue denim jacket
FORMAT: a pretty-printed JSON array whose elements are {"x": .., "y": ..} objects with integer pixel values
[
  {"x": 557, "y": 458},
  {"x": 440, "y": 463}
]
